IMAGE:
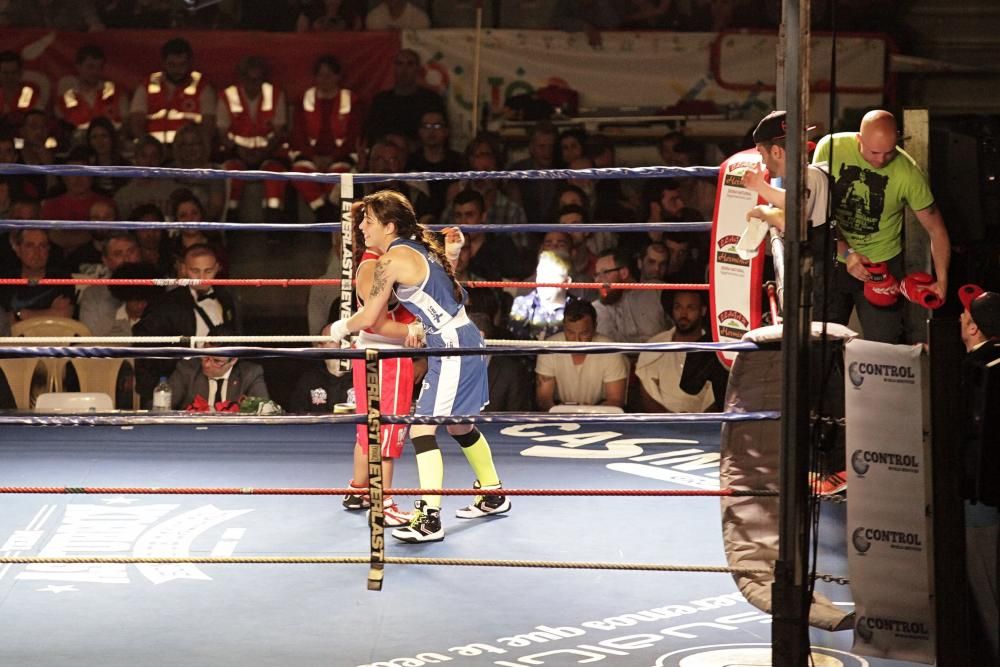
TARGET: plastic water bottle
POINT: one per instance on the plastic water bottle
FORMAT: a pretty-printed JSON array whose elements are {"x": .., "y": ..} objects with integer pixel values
[{"x": 162, "y": 395}]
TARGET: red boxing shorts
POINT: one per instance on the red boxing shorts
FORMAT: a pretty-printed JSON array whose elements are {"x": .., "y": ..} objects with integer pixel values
[{"x": 396, "y": 382}]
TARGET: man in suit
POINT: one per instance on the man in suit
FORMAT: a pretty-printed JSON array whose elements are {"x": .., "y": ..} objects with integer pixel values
[
  {"x": 218, "y": 380},
  {"x": 198, "y": 310}
]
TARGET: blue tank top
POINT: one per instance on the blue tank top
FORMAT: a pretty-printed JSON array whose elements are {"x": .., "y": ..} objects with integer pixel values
[{"x": 433, "y": 301}]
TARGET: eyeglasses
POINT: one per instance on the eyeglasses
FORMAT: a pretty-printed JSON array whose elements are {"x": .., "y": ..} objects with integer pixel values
[
  {"x": 433, "y": 126},
  {"x": 607, "y": 271}
]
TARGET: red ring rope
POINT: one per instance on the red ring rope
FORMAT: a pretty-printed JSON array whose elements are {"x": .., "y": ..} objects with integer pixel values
[{"x": 318, "y": 491}]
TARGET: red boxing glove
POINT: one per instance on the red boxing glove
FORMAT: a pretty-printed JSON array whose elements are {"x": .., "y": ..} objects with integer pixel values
[
  {"x": 915, "y": 288},
  {"x": 881, "y": 289}
]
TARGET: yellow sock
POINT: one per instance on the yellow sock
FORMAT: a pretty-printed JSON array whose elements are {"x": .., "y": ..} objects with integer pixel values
[
  {"x": 430, "y": 470},
  {"x": 481, "y": 460}
]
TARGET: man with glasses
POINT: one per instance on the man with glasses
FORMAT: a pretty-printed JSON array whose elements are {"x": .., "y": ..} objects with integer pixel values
[
  {"x": 399, "y": 110},
  {"x": 217, "y": 380},
  {"x": 434, "y": 154},
  {"x": 625, "y": 316}
]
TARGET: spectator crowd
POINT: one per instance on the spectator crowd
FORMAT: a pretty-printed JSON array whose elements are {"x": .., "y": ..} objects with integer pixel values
[{"x": 180, "y": 119}]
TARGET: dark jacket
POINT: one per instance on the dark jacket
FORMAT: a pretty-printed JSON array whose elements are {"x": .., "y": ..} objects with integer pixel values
[{"x": 188, "y": 381}]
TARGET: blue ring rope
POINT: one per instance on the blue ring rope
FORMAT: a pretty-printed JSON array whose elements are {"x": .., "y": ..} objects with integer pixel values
[
  {"x": 85, "y": 352},
  {"x": 177, "y": 418},
  {"x": 102, "y": 171},
  {"x": 617, "y": 227}
]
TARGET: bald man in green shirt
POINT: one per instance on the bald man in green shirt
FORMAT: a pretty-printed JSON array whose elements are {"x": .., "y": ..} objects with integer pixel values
[{"x": 874, "y": 180}]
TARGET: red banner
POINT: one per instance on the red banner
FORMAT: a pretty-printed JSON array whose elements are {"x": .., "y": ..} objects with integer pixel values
[{"x": 366, "y": 57}]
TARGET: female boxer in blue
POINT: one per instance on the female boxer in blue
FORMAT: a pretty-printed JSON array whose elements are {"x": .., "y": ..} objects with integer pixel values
[{"x": 415, "y": 266}]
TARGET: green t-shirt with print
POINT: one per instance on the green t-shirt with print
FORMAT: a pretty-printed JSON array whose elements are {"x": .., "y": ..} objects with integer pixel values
[{"x": 868, "y": 203}]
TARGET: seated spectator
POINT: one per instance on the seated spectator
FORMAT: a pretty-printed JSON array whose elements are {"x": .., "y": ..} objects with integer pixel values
[
  {"x": 653, "y": 263},
  {"x": 508, "y": 376},
  {"x": 486, "y": 153},
  {"x": 399, "y": 109},
  {"x": 79, "y": 193},
  {"x": 586, "y": 245},
  {"x": 24, "y": 302},
  {"x": 174, "y": 96},
  {"x": 386, "y": 157},
  {"x": 493, "y": 256},
  {"x": 331, "y": 15},
  {"x": 660, "y": 373},
  {"x": 186, "y": 311},
  {"x": 662, "y": 202},
  {"x": 134, "y": 300},
  {"x": 580, "y": 379},
  {"x": 186, "y": 207},
  {"x": 253, "y": 124},
  {"x": 154, "y": 244},
  {"x": 688, "y": 261},
  {"x": 92, "y": 95},
  {"x": 434, "y": 154},
  {"x": 572, "y": 147},
  {"x": 625, "y": 316},
  {"x": 23, "y": 208},
  {"x": 191, "y": 152},
  {"x": 612, "y": 202},
  {"x": 539, "y": 313},
  {"x": 397, "y": 15},
  {"x": 322, "y": 385},
  {"x": 97, "y": 306},
  {"x": 86, "y": 260},
  {"x": 535, "y": 196},
  {"x": 326, "y": 136},
  {"x": 37, "y": 148},
  {"x": 216, "y": 381},
  {"x": 102, "y": 139},
  {"x": 149, "y": 152},
  {"x": 676, "y": 150},
  {"x": 17, "y": 96}
]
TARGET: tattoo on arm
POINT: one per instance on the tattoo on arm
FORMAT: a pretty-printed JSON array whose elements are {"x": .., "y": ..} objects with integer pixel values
[{"x": 379, "y": 281}]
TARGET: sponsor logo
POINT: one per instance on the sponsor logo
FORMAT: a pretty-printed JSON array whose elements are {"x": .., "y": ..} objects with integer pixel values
[
  {"x": 857, "y": 371},
  {"x": 733, "y": 324},
  {"x": 858, "y": 463},
  {"x": 867, "y": 626},
  {"x": 120, "y": 526},
  {"x": 863, "y": 459},
  {"x": 735, "y": 171},
  {"x": 726, "y": 251},
  {"x": 864, "y": 539}
]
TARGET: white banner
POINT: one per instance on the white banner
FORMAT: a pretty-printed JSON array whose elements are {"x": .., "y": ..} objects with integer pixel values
[
  {"x": 735, "y": 290},
  {"x": 730, "y": 74},
  {"x": 889, "y": 534}
]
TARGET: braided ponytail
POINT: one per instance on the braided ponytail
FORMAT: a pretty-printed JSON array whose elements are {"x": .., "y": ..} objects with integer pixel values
[
  {"x": 432, "y": 242},
  {"x": 391, "y": 206}
]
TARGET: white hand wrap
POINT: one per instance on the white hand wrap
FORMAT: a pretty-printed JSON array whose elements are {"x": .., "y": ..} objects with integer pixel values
[
  {"x": 452, "y": 249},
  {"x": 339, "y": 330},
  {"x": 416, "y": 329}
]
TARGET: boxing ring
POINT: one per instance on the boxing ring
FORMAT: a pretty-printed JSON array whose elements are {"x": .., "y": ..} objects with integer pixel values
[
  {"x": 202, "y": 540},
  {"x": 323, "y": 614}
]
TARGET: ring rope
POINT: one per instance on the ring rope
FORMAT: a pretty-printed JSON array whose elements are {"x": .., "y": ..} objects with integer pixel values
[
  {"x": 103, "y": 171},
  {"x": 356, "y": 353},
  {"x": 358, "y": 491},
  {"x": 365, "y": 560},
  {"x": 337, "y": 282},
  {"x": 617, "y": 227},
  {"x": 229, "y": 419}
]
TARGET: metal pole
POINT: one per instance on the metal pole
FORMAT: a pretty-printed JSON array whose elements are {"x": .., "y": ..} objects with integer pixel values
[{"x": 791, "y": 591}]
